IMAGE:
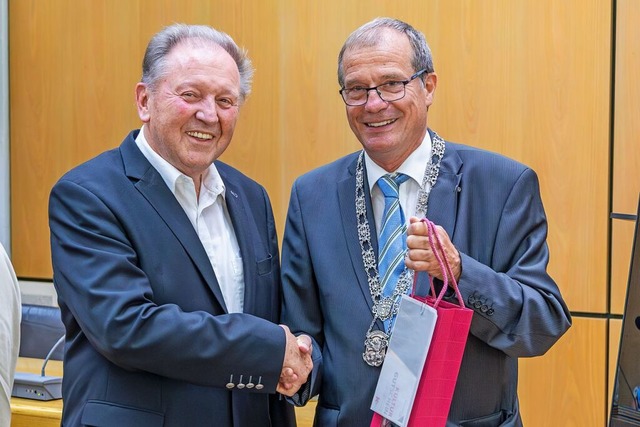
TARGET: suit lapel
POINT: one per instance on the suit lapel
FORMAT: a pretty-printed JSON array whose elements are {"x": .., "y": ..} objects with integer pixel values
[
  {"x": 244, "y": 234},
  {"x": 153, "y": 188},
  {"x": 346, "y": 197},
  {"x": 443, "y": 202},
  {"x": 443, "y": 199}
]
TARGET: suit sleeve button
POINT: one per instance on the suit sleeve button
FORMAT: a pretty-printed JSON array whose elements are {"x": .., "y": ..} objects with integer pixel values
[
  {"x": 230, "y": 384},
  {"x": 259, "y": 386}
]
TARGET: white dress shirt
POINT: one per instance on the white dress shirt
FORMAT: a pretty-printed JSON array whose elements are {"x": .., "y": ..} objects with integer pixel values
[
  {"x": 414, "y": 166},
  {"x": 210, "y": 218},
  {"x": 10, "y": 315}
]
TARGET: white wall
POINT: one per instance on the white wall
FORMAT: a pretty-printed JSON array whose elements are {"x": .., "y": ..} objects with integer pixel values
[{"x": 5, "y": 230}]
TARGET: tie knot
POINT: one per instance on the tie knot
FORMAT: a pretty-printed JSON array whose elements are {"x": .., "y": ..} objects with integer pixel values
[{"x": 390, "y": 183}]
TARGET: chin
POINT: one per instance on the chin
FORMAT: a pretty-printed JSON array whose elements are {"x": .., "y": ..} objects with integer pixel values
[{"x": 379, "y": 145}]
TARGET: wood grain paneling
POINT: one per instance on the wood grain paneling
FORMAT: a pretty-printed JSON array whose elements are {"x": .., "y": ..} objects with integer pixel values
[
  {"x": 305, "y": 414},
  {"x": 566, "y": 387},
  {"x": 71, "y": 97},
  {"x": 622, "y": 243},
  {"x": 615, "y": 330},
  {"x": 626, "y": 147}
]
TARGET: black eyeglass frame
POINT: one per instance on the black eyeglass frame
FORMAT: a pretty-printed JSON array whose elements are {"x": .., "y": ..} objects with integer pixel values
[{"x": 368, "y": 89}]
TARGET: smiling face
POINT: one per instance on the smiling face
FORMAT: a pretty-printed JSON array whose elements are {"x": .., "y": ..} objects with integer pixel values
[
  {"x": 388, "y": 131},
  {"x": 190, "y": 113}
]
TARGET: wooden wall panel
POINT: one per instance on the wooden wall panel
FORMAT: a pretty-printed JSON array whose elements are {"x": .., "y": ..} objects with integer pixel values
[
  {"x": 69, "y": 100},
  {"x": 305, "y": 414},
  {"x": 626, "y": 147},
  {"x": 314, "y": 127},
  {"x": 615, "y": 331},
  {"x": 622, "y": 243},
  {"x": 566, "y": 387}
]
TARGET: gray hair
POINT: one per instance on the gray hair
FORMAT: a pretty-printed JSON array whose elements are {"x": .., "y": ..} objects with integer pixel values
[
  {"x": 154, "y": 63},
  {"x": 368, "y": 35}
]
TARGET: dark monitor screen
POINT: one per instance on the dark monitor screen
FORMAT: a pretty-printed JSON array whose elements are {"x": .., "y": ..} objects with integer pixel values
[{"x": 625, "y": 405}]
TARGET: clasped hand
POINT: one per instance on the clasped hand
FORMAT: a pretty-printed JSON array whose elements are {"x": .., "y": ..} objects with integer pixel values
[
  {"x": 420, "y": 256},
  {"x": 297, "y": 363}
]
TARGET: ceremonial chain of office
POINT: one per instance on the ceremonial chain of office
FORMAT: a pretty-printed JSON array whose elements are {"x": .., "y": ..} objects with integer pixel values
[{"x": 384, "y": 308}]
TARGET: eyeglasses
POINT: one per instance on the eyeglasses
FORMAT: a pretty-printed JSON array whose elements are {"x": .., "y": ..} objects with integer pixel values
[{"x": 388, "y": 92}]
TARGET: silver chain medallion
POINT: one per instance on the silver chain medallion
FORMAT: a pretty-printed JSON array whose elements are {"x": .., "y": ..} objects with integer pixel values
[
  {"x": 375, "y": 347},
  {"x": 385, "y": 308},
  {"x": 382, "y": 310}
]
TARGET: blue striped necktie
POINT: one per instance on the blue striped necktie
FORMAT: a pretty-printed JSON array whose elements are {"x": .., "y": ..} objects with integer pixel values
[{"x": 393, "y": 239}]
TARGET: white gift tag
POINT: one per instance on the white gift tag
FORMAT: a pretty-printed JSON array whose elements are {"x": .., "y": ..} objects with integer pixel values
[{"x": 403, "y": 363}]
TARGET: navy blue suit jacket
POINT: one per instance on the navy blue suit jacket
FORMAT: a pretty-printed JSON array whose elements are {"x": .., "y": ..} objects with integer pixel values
[
  {"x": 491, "y": 208},
  {"x": 149, "y": 340}
]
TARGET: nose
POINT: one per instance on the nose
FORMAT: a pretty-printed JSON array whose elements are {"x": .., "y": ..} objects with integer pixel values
[
  {"x": 375, "y": 101},
  {"x": 207, "y": 111}
]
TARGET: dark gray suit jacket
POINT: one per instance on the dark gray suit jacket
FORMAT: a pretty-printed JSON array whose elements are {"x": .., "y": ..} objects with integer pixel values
[
  {"x": 491, "y": 208},
  {"x": 149, "y": 341}
]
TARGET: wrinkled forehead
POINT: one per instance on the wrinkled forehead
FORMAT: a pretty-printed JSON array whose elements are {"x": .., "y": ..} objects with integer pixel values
[
  {"x": 391, "y": 50},
  {"x": 379, "y": 44}
]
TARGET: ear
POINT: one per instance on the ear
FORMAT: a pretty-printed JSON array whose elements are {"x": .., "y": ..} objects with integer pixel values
[
  {"x": 142, "y": 102},
  {"x": 430, "y": 84}
]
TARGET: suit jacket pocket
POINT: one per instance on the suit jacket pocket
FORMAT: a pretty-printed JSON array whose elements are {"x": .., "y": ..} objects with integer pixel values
[
  {"x": 264, "y": 266},
  {"x": 102, "y": 414}
]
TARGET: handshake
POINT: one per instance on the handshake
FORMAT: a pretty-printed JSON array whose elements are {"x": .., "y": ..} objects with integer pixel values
[{"x": 297, "y": 363}]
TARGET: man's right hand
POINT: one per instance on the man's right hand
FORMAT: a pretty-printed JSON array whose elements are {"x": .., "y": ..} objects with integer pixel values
[{"x": 297, "y": 363}]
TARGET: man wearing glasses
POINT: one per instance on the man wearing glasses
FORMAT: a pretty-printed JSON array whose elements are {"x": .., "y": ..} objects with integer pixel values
[{"x": 345, "y": 241}]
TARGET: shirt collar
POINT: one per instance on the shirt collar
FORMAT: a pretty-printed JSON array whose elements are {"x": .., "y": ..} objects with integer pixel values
[{"x": 413, "y": 165}]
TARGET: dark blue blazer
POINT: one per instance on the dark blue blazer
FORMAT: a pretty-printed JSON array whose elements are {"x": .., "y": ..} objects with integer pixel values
[
  {"x": 491, "y": 208},
  {"x": 149, "y": 340}
]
